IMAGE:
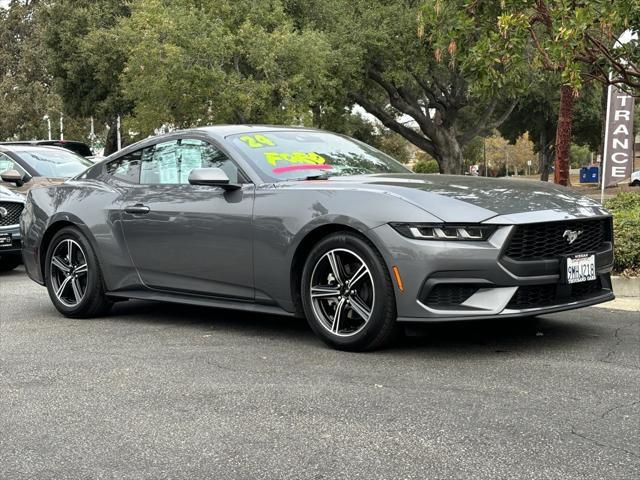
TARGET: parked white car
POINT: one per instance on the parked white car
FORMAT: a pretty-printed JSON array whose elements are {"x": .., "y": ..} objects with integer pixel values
[{"x": 635, "y": 179}]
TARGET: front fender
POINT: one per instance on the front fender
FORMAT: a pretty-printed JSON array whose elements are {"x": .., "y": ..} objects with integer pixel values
[{"x": 284, "y": 217}]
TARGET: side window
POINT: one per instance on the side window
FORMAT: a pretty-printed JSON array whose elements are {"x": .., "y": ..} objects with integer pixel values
[
  {"x": 172, "y": 162},
  {"x": 127, "y": 168},
  {"x": 161, "y": 168}
]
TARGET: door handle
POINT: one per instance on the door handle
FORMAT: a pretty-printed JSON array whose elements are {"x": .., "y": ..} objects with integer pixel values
[{"x": 137, "y": 209}]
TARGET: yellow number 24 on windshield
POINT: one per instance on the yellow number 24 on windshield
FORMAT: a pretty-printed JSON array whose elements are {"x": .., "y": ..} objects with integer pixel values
[{"x": 257, "y": 141}]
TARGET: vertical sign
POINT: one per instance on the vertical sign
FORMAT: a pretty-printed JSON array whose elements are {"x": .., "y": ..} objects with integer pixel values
[{"x": 618, "y": 140}]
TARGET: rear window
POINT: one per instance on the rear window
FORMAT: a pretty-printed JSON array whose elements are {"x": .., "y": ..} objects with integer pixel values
[
  {"x": 54, "y": 163},
  {"x": 77, "y": 147}
]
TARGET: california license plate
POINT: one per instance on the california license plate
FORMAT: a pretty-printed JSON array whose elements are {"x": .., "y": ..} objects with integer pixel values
[
  {"x": 5, "y": 240},
  {"x": 580, "y": 268}
]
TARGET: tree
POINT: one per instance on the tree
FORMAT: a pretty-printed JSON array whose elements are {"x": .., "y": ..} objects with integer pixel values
[
  {"x": 191, "y": 63},
  {"x": 389, "y": 60},
  {"x": 537, "y": 115},
  {"x": 578, "y": 41},
  {"x": 504, "y": 157},
  {"x": 86, "y": 59},
  {"x": 25, "y": 86}
]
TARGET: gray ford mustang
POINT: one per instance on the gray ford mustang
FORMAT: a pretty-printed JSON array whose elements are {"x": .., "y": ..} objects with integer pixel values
[{"x": 304, "y": 222}]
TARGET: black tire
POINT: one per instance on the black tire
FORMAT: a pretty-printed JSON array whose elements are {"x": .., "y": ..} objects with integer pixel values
[
  {"x": 93, "y": 301},
  {"x": 9, "y": 262},
  {"x": 376, "y": 289},
  {"x": 635, "y": 183}
]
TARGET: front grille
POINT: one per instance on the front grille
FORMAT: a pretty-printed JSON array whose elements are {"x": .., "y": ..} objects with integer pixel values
[
  {"x": 449, "y": 294},
  {"x": 534, "y": 296},
  {"x": 12, "y": 216},
  {"x": 539, "y": 241}
]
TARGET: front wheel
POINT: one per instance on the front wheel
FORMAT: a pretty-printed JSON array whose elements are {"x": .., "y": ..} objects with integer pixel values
[
  {"x": 73, "y": 276},
  {"x": 347, "y": 294}
]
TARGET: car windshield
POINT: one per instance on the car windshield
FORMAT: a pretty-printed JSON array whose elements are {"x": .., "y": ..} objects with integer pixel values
[
  {"x": 54, "y": 163},
  {"x": 287, "y": 155}
]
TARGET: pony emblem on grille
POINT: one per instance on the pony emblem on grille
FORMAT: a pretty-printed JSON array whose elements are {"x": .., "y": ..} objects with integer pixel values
[
  {"x": 571, "y": 235},
  {"x": 3, "y": 212}
]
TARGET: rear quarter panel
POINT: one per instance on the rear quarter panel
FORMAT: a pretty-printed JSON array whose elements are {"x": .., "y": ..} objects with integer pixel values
[{"x": 90, "y": 206}]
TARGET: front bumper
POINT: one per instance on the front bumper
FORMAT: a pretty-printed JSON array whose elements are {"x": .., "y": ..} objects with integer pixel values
[
  {"x": 447, "y": 280},
  {"x": 16, "y": 240}
]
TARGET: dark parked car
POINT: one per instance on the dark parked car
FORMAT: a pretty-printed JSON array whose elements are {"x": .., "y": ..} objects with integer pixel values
[
  {"x": 80, "y": 148},
  {"x": 24, "y": 166},
  {"x": 11, "y": 205},
  {"x": 306, "y": 222}
]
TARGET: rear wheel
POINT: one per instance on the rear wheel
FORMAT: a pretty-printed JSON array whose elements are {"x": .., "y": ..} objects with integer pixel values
[
  {"x": 347, "y": 294},
  {"x": 9, "y": 262},
  {"x": 73, "y": 276}
]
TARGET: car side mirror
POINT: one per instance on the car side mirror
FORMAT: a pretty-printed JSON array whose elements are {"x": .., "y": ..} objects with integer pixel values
[
  {"x": 213, "y": 177},
  {"x": 12, "y": 176}
]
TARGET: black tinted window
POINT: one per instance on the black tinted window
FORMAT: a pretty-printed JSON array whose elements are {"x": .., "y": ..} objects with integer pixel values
[
  {"x": 127, "y": 168},
  {"x": 77, "y": 147}
]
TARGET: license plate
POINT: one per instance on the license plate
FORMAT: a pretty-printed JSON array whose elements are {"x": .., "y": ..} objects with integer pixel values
[
  {"x": 580, "y": 268},
  {"x": 5, "y": 240}
]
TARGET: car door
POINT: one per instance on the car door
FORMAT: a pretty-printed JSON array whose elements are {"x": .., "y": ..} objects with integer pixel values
[{"x": 188, "y": 238}]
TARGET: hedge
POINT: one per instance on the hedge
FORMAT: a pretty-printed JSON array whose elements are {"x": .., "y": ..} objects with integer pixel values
[{"x": 625, "y": 208}]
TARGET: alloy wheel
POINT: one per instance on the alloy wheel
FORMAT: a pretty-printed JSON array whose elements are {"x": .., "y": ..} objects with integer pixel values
[
  {"x": 69, "y": 272},
  {"x": 342, "y": 292}
]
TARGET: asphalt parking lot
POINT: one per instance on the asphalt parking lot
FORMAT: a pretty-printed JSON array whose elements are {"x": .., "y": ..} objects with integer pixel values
[{"x": 164, "y": 391}]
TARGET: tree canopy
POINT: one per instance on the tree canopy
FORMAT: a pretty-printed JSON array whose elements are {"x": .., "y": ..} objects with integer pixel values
[{"x": 436, "y": 73}]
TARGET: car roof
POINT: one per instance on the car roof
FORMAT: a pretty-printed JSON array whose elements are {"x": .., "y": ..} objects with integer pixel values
[
  {"x": 42, "y": 142},
  {"x": 30, "y": 148},
  {"x": 222, "y": 131}
]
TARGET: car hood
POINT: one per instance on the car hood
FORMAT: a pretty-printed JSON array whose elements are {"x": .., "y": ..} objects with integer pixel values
[
  {"x": 8, "y": 195},
  {"x": 457, "y": 198}
]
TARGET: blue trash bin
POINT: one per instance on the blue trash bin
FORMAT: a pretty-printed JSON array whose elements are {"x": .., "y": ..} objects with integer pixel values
[{"x": 589, "y": 174}]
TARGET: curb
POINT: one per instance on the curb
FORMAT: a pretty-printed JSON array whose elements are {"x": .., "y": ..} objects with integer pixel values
[{"x": 626, "y": 286}]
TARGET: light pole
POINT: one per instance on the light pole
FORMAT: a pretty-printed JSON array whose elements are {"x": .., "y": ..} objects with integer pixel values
[
  {"x": 119, "y": 136},
  {"x": 484, "y": 154},
  {"x": 48, "y": 120}
]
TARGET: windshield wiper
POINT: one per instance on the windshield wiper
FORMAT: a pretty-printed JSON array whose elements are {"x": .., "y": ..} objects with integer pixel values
[{"x": 321, "y": 176}]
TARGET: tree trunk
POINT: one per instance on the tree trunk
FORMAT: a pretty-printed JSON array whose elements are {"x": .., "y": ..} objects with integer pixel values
[
  {"x": 542, "y": 157},
  {"x": 603, "y": 102},
  {"x": 111, "y": 142},
  {"x": 449, "y": 157},
  {"x": 563, "y": 136},
  {"x": 549, "y": 160},
  {"x": 545, "y": 152}
]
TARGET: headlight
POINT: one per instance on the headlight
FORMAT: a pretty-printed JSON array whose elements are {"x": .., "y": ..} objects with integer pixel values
[{"x": 444, "y": 231}]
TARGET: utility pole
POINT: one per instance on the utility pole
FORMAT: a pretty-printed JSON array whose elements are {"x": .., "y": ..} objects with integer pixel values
[
  {"x": 48, "y": 120},
  {"x": 484, "y": 154},
  {"x": 506, "y": 162},
  {"x": 61, "y": 127},
  {"x": 118, "y": 133},
  {"x": 92, "y": 135}
]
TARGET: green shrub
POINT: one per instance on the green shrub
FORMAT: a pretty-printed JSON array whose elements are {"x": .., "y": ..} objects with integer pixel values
[
  {"x": 625, "y": 208},
  {"x": 426, "y": 166}
]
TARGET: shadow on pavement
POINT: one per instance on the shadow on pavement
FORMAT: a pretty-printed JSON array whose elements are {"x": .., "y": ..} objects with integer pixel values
[{"x": 555, "y": 332}]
